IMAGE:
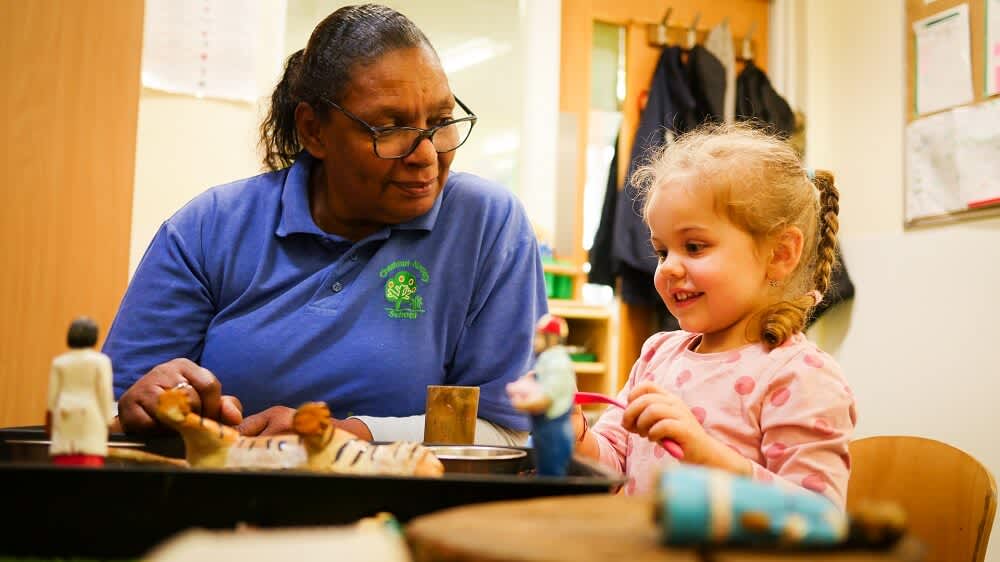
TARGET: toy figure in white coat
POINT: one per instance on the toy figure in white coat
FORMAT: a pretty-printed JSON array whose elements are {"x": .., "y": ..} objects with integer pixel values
[{"x": 80, "y": 400}]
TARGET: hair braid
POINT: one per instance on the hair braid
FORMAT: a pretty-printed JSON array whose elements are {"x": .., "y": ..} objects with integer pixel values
[
  {"x": 781, "y": 320},
  {"x": 829, "y": 199}
]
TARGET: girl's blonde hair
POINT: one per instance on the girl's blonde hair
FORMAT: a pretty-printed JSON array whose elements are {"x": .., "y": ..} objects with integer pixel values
[{"x": 759, "y": 184}]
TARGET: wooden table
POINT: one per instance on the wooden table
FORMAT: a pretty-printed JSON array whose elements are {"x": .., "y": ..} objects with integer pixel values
[{"x": 585, "y": 528}]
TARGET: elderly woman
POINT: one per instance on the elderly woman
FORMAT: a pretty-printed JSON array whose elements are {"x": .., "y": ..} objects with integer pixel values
[{"x": 357, "y": 272}]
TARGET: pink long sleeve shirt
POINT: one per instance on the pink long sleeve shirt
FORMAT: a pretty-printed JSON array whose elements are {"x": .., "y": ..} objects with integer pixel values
[{"x": 789, "y": 411}]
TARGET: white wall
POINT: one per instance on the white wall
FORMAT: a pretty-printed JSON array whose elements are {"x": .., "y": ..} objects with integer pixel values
[
  {"x": 184, "y": 145},
  {"x": 919, "y": 343}
]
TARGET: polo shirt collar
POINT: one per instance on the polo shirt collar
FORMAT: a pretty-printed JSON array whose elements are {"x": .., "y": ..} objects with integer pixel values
[{"x": 296, "y": 217}]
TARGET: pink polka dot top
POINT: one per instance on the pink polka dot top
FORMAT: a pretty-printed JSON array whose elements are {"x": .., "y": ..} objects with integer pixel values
[{"x": 789, "y": 411}]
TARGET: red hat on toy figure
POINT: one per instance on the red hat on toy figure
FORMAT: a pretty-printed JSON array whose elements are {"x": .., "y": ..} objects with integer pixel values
[{"x": 551, "y": 324}]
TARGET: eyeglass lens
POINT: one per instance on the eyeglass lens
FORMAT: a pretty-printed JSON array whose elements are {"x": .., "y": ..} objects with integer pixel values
[{"x": 400, "y": 142}]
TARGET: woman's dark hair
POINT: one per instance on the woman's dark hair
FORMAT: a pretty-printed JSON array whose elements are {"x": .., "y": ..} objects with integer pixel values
[
  {"x": 351, "y": 36},
  {"x": 82, "y": 333}
]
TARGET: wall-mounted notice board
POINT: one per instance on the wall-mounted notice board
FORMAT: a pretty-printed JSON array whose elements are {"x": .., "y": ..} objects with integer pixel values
[{"x": 953, "y": 115}]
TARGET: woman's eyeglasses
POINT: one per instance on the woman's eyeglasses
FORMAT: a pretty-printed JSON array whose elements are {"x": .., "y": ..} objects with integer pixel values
[{"x": 399, "y": 142}]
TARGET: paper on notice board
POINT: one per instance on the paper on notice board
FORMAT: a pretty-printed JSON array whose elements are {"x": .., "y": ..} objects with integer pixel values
[
  {"x": 201, "y": 47},
  {"x": 977, "y": 153},
  {"x": 992, "y": 57},
  {"x": 932, "y": 177},
  {"x": 943, "y": 62}
]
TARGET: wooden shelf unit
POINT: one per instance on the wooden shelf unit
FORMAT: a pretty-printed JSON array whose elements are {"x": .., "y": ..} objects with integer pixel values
[
  {"x": 594, "y": 327},
  {"x": 560, "y": 269}
]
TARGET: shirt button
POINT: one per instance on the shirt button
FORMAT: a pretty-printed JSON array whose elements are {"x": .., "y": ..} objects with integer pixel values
[
  {"x": 354, "y": 257},
  {"x": 337, "y": 287}
]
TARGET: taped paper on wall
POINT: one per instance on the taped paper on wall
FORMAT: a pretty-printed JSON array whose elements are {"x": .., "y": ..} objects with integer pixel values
[
  {"x": 953, "y": 161},
  {"x": 931, "y": 169},
  {"x": 977, "y": 153},
  {"x": 943, "y": 62},
  {"x": 992, "y": 57},
  {"x": 203, "y": 48}
]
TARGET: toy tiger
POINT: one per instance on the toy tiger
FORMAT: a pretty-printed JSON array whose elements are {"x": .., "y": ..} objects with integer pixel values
[
  {"x": 319, "y": 445},
  {"x": 331, "y": 448},
  {"x": 209, "y": 444}
]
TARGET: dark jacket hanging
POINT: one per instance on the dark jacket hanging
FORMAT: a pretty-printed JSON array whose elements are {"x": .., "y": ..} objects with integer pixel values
[
  {"x": 603, "y": 270},
  {"x": 706, "y": 77},
  {"x": 669, "y": 109},
  {"x": 756, "y": 100}
]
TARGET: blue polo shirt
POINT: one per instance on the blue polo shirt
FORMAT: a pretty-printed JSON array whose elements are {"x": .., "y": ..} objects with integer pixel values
[{"x": 243, "y": 282}]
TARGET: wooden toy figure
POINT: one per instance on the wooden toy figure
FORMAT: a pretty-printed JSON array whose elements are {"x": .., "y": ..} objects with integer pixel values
[
  {"x": 80, "y": 400},
  {"x": 547, "y": 394}
]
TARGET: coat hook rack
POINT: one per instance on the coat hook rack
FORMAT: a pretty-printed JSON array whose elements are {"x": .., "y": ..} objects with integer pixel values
[{"x": 658, "y": 34}]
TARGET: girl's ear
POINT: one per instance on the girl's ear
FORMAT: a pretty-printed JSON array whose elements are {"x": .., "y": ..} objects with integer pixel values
[
  {"x": 310, "y": 127},
  {"x": 786, "y": 252}
]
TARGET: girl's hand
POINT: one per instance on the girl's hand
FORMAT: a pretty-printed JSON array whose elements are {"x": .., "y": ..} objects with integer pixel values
[
  {"x": 584, "y": 442},
  {"x": 657, "y": 414}
]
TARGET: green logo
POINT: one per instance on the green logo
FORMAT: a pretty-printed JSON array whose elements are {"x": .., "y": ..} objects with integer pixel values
[{"x": 401, "y": 288}]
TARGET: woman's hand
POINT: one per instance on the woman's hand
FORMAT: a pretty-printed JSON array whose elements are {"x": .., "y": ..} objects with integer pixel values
[
  {"x": 656, "y": 414},
  {"x": 272, "y": 421},
  {"x": 278, "y": 419},
  {"x": 137, "y": 406}
]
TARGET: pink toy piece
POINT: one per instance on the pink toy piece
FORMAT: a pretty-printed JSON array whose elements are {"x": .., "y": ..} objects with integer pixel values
[{"x": 596, "y": 398}]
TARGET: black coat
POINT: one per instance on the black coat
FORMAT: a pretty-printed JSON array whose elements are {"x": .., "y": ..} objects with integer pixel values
[
  {"x": 669, "y": 110},
  {"x": 707, "y": 78},
  {"x": 756, "y": 100}
]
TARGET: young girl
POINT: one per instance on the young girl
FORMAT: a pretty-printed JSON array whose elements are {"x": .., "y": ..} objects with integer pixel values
[{"x": 745, "y": 238}]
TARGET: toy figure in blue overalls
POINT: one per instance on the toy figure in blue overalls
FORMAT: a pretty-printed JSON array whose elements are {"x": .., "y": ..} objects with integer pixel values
[{"x": 547, "y": 394}]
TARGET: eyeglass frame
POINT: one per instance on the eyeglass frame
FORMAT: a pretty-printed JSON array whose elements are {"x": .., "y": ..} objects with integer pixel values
[{"x": 421, "y": 133}]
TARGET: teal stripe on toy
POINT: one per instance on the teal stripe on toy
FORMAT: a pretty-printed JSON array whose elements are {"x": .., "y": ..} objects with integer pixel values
[{"x": 685, "y": 513}]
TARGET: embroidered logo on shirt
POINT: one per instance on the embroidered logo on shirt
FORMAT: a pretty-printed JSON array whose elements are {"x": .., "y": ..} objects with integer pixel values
[{"x": 403, "y": 279}]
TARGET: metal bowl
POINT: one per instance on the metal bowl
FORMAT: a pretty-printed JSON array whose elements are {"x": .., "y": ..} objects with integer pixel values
[{"x": 479, "y": 459}]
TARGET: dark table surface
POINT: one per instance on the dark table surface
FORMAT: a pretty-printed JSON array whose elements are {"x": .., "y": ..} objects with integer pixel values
[{"x": 123, "y": 510}]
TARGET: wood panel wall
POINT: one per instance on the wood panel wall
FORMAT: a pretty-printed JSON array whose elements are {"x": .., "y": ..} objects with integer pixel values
[
  {"x": 69, "y": 103},
  {"x": 578, "y": 17}
]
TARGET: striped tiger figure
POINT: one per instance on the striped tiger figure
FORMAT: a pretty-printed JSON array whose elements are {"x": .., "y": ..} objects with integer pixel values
[
  {"x": 318, "y": 445},
  {"x": 330, "y": 448}
]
